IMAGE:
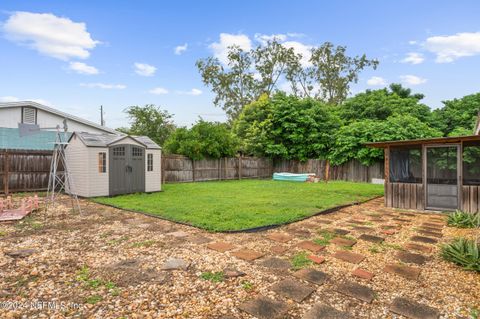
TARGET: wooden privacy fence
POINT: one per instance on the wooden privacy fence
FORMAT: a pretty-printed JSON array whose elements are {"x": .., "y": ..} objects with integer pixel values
[
  {"x": 178, "y": 168},
  {"x": 22, "y": 171}
]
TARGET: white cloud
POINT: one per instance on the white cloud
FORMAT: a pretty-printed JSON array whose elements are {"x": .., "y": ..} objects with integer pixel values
[
  {"x": 83, "y": 68},
  {"x": 376, "y": 81},
  {"x": 144, "y": 69},
  {"x": 50, "y": 35},
  {"x": 158, "y": 91},
  {"x": 220, "y": 49},
  {"x": 191, "y": 92},
  {"x": 264, "y": 38},
  {"x": 104, "y": 86},
  {"x": 181, "y": 48},
  {"x": 413, "y": 58},
  {"x": 453, "y": 47},
  {"x": 412, "y": 42},
  {"x": 300, "y": 48},
  {"x": 412, "y": 79}
]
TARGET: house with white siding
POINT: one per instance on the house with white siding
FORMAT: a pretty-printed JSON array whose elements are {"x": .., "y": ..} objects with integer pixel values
[{"x": 110, "y": 164}]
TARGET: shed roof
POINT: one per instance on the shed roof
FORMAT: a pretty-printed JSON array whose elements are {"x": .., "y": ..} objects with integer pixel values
[
  {"x": 435, "y": 140},
  {"x": 105, "y": 140},
  {"x": 42, "y": 141}
]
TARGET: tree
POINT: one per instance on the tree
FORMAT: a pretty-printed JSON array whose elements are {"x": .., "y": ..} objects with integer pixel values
[
  {"x": 398, "y": 89},
  {"x": 247, "y": 75},
  {"x": 457, "y": 113},
  {"x": 350, "y": 139},
  {"x": 381, "y": 104},
  {"x": 286, "y": 127},
  {"x": 151, "y": 121},
  {"x": 204, "y": 140},
  {"x": 330, "y": 75}
]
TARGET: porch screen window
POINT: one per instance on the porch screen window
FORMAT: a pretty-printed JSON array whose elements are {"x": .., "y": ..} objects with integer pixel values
[
  {"x": 405, "y": 165},
  {"x": 102, "y": 162},
  {"x": 150, "y": 162},
  {"x": 471, "y": 163}
]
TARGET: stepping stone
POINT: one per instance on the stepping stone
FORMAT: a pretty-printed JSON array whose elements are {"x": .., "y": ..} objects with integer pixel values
[
  {"x": 277, "y": 249},
  {"x": 408, "y": 214},
  {"x": 389, "y": 227},
  {"x": 357, "y": 291},
  {"x": 292, "y": 289},
  {"x": 361, "y": 273},
  {"x": 430, "y": 233},
  {"x": 417, "y": 247},
  {"x": 311, "y": 275},
  {"x": 300, "y": 233},
  {"x": 233, "y": 273},
  {"x": 199, "y": 240},
  {"x": 401, "y": 220},
  {"x": 433, "y": 229},
  {"x": 412, "y": 309},
  {"x": 276, "y": 263},
  {"x": 316, "y": 259},
  {"x": 388, "y": 232},
  {"x": 433, "y": 225},
  {"x": 280, "y": 237},
  {"x": 323, "y": 221},
  {"x": 355, "y": 221},
  {"x": 175, "y": 264},
  {"x": 178, "y": 234},
  {"x": 326, "y": 312},
  {"x": 247, "y": 254},
  {"x": 309, "y": 245},
  {"x": 407, "y": 257},
  {"x": 339, "y": 231},
  {"x": 403, "y": 271},
  {"x": 422, "y": 239},
  {"x": 221, "y": 246},
  {"x": 371, "y": 238},
  {"x": 21, "y": 253},
  {"x": 349, "y": 256},
  {"x": 363, "y": 229},
  {"x": 264, "y": 308},
  {"x": 343, "y": 242}
]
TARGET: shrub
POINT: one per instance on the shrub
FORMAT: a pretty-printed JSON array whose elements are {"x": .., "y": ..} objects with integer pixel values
[
  {"x": 463, "y": 220},
  {"x": 463, "y": 252}
]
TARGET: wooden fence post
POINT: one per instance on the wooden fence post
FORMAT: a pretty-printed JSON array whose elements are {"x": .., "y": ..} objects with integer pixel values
[
  {"x": 240, "y": 167},
  {"x": 193, "y": 170},
  {"x": 327, "y": 171},
  {"x": 6, "y": 177}
]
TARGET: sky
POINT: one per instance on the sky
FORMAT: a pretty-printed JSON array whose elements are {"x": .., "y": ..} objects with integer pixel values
[{"x": 78, "y": 55}]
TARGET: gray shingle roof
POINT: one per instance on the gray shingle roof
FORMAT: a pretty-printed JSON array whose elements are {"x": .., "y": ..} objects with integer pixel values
[{"x": 104, "y": 140}]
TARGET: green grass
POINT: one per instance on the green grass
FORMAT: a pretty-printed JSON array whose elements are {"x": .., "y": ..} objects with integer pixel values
[
  {"x": 237, "y": 205},
  {"x": 213, "y": 276},
  {"x": 300, "y": 260}
]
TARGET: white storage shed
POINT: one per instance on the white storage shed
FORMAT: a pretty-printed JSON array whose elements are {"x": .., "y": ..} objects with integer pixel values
[{"x": 111, "y": 164}]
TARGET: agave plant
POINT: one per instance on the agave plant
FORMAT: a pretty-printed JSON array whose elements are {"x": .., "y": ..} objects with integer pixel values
[
  {"x": 464, "y": 220},
  {"x": 463, "y": 252}
]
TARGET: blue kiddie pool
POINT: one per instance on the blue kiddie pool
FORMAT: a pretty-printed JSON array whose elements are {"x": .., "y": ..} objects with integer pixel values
[{"x": 291, "y": 177}]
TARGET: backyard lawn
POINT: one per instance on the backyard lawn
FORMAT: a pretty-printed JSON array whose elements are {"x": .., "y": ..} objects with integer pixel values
[{"x": 236, "y": 205}]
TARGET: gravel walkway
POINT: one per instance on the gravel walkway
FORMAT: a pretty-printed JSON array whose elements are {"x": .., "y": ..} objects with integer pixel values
[{"x": 109, "y": 263}]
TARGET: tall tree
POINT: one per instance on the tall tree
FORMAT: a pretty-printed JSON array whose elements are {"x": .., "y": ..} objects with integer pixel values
[
  {"x": 247, "y": 75},
  {"x": 398, "y": 89},
  {"x": 151, "y": 121}
]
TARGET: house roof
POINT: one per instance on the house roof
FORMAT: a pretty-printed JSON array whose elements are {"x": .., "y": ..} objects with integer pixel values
[
  {"x": 105, "y": 140},
  {"x": 435, "y": 140},
  {"x": 57, "y": 112},
  {"x": 43, "y": 141}
]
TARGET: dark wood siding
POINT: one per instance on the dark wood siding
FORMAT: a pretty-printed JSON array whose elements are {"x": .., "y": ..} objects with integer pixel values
[
  {"x": 404, "y": 195},
  {"x": 470, "y": 199}
]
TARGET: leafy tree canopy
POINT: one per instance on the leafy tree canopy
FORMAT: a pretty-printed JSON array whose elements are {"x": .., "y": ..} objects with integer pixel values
[
  {"x": 383, "y": 103},
  {"x": 204, "y": 139},
  {"x": 151, "y": 121},
  {"x": 457, "y": 114},
  {"x": 350, "y": 139},
  {"x": 286, "y": 127}
]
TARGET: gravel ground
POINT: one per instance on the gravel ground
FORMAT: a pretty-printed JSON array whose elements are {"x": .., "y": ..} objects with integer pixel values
[{"x": 107, "y": 263}]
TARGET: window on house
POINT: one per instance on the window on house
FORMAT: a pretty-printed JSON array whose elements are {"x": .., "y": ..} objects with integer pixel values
[
  {"x": 406, "y": 165},
  {"x": 102, "y": 162},
  {"x": 150, "y": 162},
  {"x": 29, "y": 115}
]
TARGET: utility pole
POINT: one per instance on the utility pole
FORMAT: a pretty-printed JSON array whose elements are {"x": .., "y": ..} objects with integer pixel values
[{"x": 102, "y": 122}]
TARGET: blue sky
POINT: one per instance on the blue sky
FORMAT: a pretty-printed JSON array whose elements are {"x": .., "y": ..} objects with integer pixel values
[{"x": 79, "y": 55}]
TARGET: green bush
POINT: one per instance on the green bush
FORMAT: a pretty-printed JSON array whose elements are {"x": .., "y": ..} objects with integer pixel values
[
  {"x": 463, "y": 252},
  {"x": 463, "y": 220}
]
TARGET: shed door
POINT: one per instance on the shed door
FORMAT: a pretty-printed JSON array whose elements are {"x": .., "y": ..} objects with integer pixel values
[
  {"x": 442, "y": 187},
  {"x": 127, "y": 169}
]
